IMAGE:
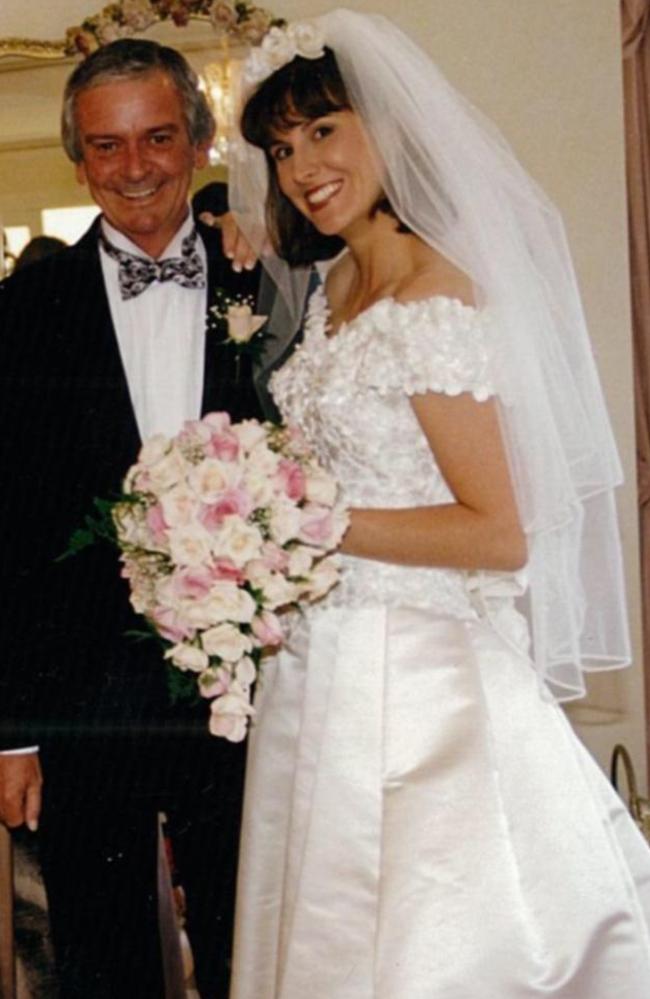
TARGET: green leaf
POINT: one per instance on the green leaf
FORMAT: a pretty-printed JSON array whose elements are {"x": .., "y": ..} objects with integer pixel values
[{"x": 182, "y": 686}]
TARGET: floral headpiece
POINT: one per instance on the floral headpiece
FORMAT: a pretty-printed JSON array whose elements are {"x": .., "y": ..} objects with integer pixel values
[{"x": 279, "y": 46}]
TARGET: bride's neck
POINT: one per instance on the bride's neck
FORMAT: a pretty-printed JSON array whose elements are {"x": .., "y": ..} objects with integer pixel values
[{"x": 380, "y": 261}]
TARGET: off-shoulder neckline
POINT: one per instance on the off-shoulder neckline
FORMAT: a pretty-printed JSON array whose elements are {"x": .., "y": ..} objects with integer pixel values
[{"x": 319, "y": 298}]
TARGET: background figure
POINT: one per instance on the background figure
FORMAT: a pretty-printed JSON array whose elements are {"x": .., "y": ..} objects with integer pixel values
[
  {"x": 87, "y": 370},
  {"x": 37, "y": 248},
  {"x": 409, "y": 755}
]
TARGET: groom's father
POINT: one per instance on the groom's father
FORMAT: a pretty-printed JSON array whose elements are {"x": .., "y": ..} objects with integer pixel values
[{"x": 101, "y": 346}]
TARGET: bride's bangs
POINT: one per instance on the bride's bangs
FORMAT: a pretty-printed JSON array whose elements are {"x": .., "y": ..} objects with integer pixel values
[{"x": 302, "y": 90}]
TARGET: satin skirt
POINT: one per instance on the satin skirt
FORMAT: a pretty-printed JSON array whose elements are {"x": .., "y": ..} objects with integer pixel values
[{"x": 420, "y": 823}]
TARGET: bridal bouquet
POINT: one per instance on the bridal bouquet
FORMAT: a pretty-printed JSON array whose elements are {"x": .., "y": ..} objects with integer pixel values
[{"x": 221, "y": 528}]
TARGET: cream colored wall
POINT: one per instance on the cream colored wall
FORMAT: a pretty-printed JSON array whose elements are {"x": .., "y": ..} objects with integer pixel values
[{"x": 549, "y": 75}]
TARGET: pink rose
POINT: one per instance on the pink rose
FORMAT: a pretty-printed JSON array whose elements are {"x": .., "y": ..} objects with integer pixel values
[
  {"x": 274, "y": 558},
  {"x": 267, "y": 628},
  {"x": 316, "y": 526},
  {"x": 191, "y": 584},
  {"x": 194, "y": 434},
  {"x": 223, "y": 445},
  {"x": 230, "y": 501},
  {"x": 224, "y": 568},
  {"x": 291, "y": 479},
  {"x": 170, "y": 625}
]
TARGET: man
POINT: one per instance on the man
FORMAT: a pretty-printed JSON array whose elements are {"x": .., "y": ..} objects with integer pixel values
[{"x": 92, "y": 360}]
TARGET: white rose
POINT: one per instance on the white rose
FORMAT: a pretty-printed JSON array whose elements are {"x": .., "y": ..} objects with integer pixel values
[
  {"x": 225, "y": 602},
  {"x": 229, "y": 714},
  {"x": 285, "y": 522},
  {"x": 179, "y": 506},
  {"x": 188, "y": 657},
  {"x": 249, "y": 433},
  {"x": 190, "y": 545},
  {"x": 279, "y": 47},
  {"x": 320, "y": 487},
  {"x": 278, "y": 591},
  {"x": 300, "y": 561},
  {"x": 242, "y": 324},
  {"x": 154, "y": 449},
  {"x": 308, "y": 39},
  {"x": 168, "y": 471},
  {"x": 245, "y": 672},
  {"x": 259, "y": 485},
  {"x": 257, "y": 573},
  {"x": 323, "y": 577},
  {"x": 234, "y": 603},
  {"x": 263, "y": 459},
  {"x": 226, "y": 641},
  {"x": 237, "y": 540},
  {"x": 211, "y": 477}
]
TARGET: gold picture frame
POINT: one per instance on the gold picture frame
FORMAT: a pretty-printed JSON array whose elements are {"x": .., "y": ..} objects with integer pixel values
[{"x": 237, "y": 21}]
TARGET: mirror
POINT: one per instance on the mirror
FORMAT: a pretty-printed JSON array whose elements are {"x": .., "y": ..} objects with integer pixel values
[{"x": 35, "y": 175}]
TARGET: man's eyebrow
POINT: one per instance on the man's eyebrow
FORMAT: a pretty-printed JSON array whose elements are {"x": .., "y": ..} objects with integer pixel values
[{"x": 165, "y": 127}]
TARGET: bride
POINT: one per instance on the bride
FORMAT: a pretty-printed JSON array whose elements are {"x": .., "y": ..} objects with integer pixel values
[{"x": 421, "y": 821}]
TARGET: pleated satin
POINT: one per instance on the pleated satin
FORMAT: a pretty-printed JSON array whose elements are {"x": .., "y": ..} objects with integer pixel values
[{"x": 421, "y": 824}]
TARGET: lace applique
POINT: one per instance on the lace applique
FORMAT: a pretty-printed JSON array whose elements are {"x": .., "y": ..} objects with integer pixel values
[{"x": 438, "y": 345}]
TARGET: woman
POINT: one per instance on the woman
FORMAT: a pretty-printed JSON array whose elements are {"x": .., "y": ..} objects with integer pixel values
[{"x": 421, "y": 821}]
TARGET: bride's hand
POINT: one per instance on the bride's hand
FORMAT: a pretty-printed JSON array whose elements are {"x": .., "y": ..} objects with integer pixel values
[{"x": 235, "y": 245}]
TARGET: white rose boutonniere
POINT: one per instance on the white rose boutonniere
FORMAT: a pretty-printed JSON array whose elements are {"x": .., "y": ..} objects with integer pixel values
[
  {"x": 242, "y": 324},
  {"x": 237, "y": 326}
]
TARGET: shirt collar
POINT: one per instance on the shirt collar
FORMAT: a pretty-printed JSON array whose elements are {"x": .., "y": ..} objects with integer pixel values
[{"x": 122, "y": 242}]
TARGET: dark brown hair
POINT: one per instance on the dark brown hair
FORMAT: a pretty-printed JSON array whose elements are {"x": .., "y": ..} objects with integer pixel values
[{"x": 302, "y": 90}]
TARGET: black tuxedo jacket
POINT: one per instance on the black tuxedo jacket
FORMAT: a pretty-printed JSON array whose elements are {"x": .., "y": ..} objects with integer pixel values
[{"x": 68, "y": 434}]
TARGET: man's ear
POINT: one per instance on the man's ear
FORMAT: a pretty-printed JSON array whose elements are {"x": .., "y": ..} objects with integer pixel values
[
  {"x": 80, "y": 172},
  {"x": 202, "y": 154}
]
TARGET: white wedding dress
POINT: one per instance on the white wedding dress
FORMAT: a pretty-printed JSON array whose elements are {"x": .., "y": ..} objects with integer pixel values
[{"x": 420, "y": 822}]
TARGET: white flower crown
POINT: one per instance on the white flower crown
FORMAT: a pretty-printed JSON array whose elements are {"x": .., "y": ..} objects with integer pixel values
[{"x": 279, "y": 46}]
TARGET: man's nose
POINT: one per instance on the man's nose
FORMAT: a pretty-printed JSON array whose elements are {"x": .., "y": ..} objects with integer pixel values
[{"x": 134, "y": 164}]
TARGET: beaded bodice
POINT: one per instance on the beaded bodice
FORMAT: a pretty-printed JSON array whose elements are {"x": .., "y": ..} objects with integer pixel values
[{"x": 350, "y": 395}]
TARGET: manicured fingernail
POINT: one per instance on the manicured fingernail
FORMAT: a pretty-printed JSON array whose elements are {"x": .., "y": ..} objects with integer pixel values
[
  {"x": 32, "y": 825},
  {"x": 237, "y": 267},
  {"x": 249, "y": 265}
]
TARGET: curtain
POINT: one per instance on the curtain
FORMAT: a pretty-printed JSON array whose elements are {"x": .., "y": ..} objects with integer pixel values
[{"x": 636, "y": 88}]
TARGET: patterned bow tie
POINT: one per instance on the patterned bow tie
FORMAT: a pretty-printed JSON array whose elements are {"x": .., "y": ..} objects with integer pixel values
[{"x": 137, "y": 273}]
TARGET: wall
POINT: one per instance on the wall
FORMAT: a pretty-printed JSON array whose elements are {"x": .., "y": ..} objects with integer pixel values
[{"x": 549, "y": 75}]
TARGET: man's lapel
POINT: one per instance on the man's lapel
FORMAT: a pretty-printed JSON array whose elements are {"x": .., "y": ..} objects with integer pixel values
[
  {"x": 227, "y": 384},
  {"x": 100, "y": 349}
]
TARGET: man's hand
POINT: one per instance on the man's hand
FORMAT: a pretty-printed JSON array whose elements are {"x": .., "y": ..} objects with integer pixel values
[
  {"x": 20, "y": 789},
  {"x": 235, "y": 245}
]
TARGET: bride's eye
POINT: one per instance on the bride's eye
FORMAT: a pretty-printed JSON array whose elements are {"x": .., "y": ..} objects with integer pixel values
[
  {"x": 322, "y": 131},
  {"x": 279, "y": 153}
]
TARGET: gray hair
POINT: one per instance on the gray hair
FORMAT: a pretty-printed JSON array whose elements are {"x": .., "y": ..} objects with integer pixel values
[{"x": 125, "y": 59}]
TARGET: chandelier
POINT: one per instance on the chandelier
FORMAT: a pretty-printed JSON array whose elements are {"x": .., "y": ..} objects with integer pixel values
[{"x": 219, "y": 81}]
